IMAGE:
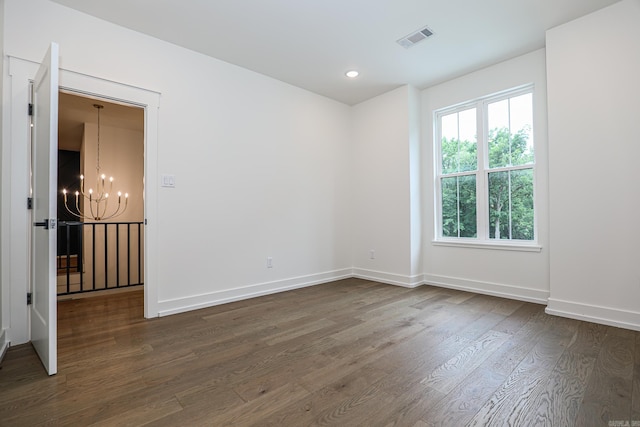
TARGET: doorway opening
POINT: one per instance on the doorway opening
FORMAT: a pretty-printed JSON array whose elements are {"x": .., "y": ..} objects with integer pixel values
[{"x": 98, "y": 256}]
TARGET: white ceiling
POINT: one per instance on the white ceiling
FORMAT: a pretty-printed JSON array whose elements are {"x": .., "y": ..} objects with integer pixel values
[{"x": 312, "y": 43}]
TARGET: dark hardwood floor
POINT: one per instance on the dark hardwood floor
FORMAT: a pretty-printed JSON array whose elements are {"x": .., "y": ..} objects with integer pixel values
[{"x": 348, "y": 353}]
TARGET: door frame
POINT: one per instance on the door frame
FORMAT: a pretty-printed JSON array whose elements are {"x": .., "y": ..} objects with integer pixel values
[{"x": 16, "y": 183}]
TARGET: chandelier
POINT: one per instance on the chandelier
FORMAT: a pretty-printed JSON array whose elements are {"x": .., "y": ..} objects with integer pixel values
[{"x": 94, "y": 204}]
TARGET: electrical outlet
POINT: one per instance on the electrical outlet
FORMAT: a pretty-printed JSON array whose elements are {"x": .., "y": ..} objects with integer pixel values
[
  {"x": 269, "y": 262},
  {"x": 372, "y": 254}
]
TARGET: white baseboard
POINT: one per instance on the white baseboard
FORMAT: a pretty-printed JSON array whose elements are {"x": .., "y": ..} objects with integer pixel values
[
  {"x": 590, "y": 313},
  {"x": 495, "y": 289},
  {"x": 593, "y": 313},
  {"x": 389, "y": 278},
  {"x": 181, "y": 305},
  {"x": 4, "y": 343}
]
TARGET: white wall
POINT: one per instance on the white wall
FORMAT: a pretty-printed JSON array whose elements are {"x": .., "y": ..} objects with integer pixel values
[
  {"x": 383, "y": 138},
  {"x": 262, "y": 168},
  {"x": 4, "y": 190},
  {"x": 509, "y": 273},
  {"x": 416, "y": 185},
  {"x": 594, "y": 87}
]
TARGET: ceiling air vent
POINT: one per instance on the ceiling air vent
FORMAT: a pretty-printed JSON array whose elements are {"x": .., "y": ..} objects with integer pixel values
[{"x": 415, "y": 37}]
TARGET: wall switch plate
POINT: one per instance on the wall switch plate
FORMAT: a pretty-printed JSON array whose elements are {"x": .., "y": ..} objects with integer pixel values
[
  {"x": 372, "y": 254},
  {"x": 269, "y": 262},
  {"x": 168, "y": 181}
]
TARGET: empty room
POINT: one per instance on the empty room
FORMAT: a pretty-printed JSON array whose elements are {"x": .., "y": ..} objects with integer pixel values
[{"x": 406, "y": 213}]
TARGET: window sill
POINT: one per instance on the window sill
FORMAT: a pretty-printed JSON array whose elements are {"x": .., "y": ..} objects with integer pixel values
[{"x": 501, "y": 246}]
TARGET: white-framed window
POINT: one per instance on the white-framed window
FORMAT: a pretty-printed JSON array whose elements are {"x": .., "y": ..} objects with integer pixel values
[{"x": 485, "y": 170}]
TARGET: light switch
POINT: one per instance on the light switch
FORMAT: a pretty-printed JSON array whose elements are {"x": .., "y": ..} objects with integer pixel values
[{"x": 168, "y": 181}]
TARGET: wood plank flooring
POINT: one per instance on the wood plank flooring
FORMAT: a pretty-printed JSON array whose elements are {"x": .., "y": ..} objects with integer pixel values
[{"x": 347, "y": 353}]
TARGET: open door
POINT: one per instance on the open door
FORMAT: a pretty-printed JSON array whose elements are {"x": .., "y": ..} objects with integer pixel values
[{"x": 44, "y": 183}]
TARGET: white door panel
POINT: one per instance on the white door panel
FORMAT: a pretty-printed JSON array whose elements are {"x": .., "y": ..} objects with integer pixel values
[{"x": 44, "y": 182}]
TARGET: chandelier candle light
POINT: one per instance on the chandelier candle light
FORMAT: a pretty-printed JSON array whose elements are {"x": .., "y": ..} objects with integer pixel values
[{"x": 98, "y": 201}]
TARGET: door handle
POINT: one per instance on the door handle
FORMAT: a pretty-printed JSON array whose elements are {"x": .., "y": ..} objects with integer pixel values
[
  {"x": 47, "y": 224},
  {"x": 44, "y": 224}
]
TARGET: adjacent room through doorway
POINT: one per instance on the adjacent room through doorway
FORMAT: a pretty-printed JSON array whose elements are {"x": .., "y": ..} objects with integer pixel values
[{"x": 100, "y": 197}]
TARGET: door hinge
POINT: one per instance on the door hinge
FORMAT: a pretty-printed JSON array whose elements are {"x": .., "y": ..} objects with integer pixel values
[
  {"x": 31, "y": 109},
  {"x": 29, "y": 202},
  {"x": 28, "y": 298}
]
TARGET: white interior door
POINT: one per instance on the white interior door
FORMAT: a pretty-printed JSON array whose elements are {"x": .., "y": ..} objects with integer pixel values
[{"x": 44, "y": 183}]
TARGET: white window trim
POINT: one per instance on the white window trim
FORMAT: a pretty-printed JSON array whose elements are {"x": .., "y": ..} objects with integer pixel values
[
  {"x": 508, "y": 245},
  {"x": 482, "y": 241}
]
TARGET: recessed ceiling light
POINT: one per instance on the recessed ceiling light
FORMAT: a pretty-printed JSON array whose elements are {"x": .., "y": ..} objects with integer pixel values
[{"x": 352, "y": 74}]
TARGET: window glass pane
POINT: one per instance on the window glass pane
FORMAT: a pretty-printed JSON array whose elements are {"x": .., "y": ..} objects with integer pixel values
[
  {"x": 449, "y": 143},
  {"x": 521, "y": 129},
  {"x": 468, "y": 150},
  {"x": 499, "y": 205},
  {"x": 459, "y": 206},
  {"x": 498, "y": 115},
  {"x": 511, "y": 205},
  {"x": 468, "y": 223},
  {"x": 498, "y": 119},
  {"x": 459, "y": 150},
  {"x": 450, "y": 207},
  {"x": 510, "y": 136},
  {"x": 522, "y": 204}
]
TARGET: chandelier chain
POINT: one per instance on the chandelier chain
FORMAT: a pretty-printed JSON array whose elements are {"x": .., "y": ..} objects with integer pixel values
[{"x": 98, "y": 107}]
